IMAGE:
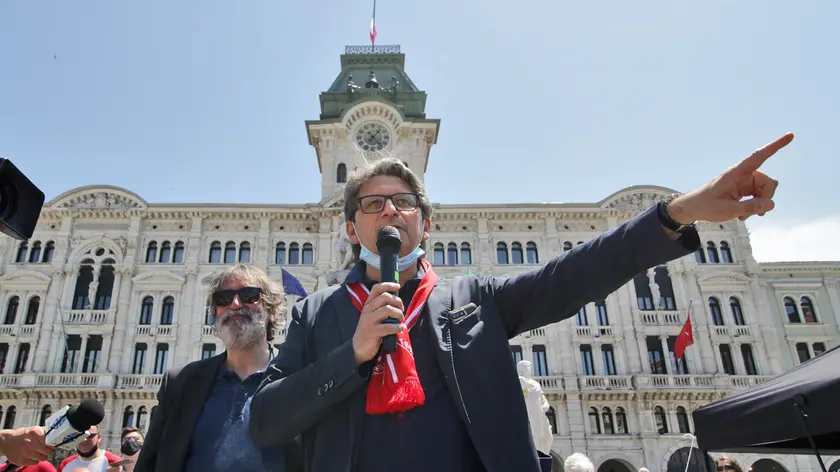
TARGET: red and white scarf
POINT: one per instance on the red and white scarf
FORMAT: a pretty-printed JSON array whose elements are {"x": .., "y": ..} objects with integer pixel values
[{"x": 394, "y": 385}]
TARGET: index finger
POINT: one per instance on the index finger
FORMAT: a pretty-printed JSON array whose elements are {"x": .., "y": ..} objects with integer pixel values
[
  {"x": 383, "y": 287},
  {"x": 757, "y": 158}
]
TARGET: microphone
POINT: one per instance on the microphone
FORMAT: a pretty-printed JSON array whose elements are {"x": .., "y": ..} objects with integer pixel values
[
  {"x": 388, "y": 244},
  {"x": 69, "y": 426}
]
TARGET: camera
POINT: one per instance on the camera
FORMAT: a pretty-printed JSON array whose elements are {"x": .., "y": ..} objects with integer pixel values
[{"x": 20, "y": 202}]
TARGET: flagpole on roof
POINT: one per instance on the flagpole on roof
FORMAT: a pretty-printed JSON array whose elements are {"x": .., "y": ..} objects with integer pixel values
[{"x": 373, "y": 29}]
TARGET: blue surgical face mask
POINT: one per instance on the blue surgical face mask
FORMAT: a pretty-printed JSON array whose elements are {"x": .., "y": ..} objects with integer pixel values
[{"x": 403, "y": 263}]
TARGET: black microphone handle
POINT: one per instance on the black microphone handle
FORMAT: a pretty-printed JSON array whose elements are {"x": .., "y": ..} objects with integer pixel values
[{"x": 388, "y": 273}]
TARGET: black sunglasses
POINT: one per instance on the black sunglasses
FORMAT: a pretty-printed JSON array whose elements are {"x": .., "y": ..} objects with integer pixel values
[
  {"x": 246, "y": 295},
  {"x": 721, "y": 468}
]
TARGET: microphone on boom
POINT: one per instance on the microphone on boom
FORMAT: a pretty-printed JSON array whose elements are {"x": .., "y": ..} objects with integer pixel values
[{"x": 388, "y": 244}]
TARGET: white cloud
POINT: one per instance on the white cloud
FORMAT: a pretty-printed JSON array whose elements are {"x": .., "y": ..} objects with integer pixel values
[{"x": 814, "y": 240}]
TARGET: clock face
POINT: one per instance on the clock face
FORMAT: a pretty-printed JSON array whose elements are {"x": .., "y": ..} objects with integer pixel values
[{"x": 373, "y": 136}]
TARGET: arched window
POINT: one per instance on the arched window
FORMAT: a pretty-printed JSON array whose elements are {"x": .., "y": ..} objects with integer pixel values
[
  {"x": 341, "y": 173},
  {"x": 152, "y": 414},
  {"x": 308, "y": 254},
  {"x": 165, "y": 252},
  {"x": 294, "y": 253},
  {"x": 567, "y": 246},
  {"x": 35, "y": 254},
  {"x": 466, "y": 254},
  {"x": 49, "y": 251},
  {"x": 700, "y": 255},
  {"x": 726, "y": 253},
  {"x": 737, "y": 312},
  {"x": 531, "y": 255},
  {"x": 245, "y": 252},
  {"x": 46, "y": 411},
  {"x": 682, "y": 420},
  {"x": 516, "y": 255},
  {"x": 808, "y": 310},
  {"x": 711, "y": 250},
  {"x": 439, "y": 254},
  {"x": 11, "y": 310},
  {"x": 791, "y": 310},
  {"x": 594, "y": 421},
  {"x": 141, "y": 418},
  {"x": 22, "y": 250},
  {"x": 128, "y": 417},
  {"x": 606, "y": 414},
  {"x": 501, "y": 253},
  {"x": 280, "y": 253},
  {"x": 11, "y": 413},
  {"x": 178, "y": 255},
  {"x": 660, "y": 420},
  {"x": 166, "y": 313},
  {"x": 620, "y": 421},
  {"x": 215, "y": 253},
  {"x": 552, "y": 419},
  {"x": 32, "y": 311},
  {"x": 714, "y": 308},
  {"x": 146, "y": 311},
  {"x": 151, "y": 252},
  {"x": 230, "y": 252},
  {"x": 452, "y": 254}
]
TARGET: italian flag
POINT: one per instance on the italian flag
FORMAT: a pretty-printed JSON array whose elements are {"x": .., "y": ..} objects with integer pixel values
[{"x": 373, "y": 24}]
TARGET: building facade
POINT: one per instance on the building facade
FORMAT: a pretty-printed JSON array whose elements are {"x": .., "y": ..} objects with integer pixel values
[{"x": 110, "y": 292}]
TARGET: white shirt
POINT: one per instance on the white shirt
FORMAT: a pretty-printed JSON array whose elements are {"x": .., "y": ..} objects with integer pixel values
[{"x": 97, "y": 464}]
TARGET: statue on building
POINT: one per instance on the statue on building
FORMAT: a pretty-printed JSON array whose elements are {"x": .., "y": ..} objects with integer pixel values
[
  {"x": 654, "y": 289},
  {"x": 537, "y": 406},
  {"x": 344, "y": 249},
  {"x": 395, "y": 85},
  {"x": 372, "y": 82},
  {"x": 351, "y": 86}
]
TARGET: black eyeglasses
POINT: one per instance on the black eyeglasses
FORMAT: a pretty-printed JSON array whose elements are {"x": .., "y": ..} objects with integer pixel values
[
  {"x": 246, "y": 295},
  {"x": 375, "y": 203}
]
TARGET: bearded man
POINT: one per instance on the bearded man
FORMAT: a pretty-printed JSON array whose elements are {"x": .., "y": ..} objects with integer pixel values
[{"x": 201, "y": 423}]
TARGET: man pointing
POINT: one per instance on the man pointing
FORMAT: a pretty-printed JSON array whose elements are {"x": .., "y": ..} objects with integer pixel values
[{"x": 449, "y": 399}]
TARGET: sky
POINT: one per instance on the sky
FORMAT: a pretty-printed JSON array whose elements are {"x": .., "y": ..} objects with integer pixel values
[{"x": 540, "y": 101}]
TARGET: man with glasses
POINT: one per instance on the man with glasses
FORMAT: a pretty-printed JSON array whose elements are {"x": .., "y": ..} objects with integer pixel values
[
  {"x": 201, "y": 422},
  {"x": 449, "y": 398},
  {"x": 89, "y": 455}
]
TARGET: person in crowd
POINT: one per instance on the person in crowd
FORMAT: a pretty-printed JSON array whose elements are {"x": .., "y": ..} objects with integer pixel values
[
  {"x": 131, "y": 441},
  {"x": 201, "y": 421},
  {"x": 448, "y": 398},
  {"x": 42, "y": 466},
  {"x": 727, "y": 464},
  {"x": 90, "y": 455},
  {"x": 578, "y": 462}
]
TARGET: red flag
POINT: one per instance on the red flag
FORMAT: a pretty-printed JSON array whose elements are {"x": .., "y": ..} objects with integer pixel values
[{"x": 684, "y": 339}]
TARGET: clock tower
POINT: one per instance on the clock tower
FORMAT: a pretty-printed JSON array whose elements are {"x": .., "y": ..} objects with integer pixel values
[{"x": 371, "y": 110}]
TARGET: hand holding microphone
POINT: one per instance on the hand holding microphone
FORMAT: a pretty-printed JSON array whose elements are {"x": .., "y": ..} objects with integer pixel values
[{"x": 382, "y": 317}]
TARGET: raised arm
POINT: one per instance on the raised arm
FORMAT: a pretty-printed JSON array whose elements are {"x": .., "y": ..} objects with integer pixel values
[
  {"x": 589, "y": 272},
  {"x": 295, "y": 395}
]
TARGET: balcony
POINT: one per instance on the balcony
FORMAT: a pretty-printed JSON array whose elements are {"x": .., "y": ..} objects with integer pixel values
[
  {"x": 83, "y": 380},
  {"x": 551, "y": 383},
  {"x": 593, "y": 331},
  {"x": 147, "y": 330},
  {"x": 659, "y": 318},
  {"x": 89, "y": 317},
  {"x": 747, "y": 381},
  {"x": 151, "y": 381},
  {"x": 657, "y": 381},
  {"x": 207, "y": 330},
  {"x": 605, "y": 382},
  {"x": 731, "y": 331},
  {"x": 24, "y": 331}
]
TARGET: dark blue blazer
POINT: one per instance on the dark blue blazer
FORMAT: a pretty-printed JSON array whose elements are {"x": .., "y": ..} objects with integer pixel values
[{"x": 314, "y": 388}]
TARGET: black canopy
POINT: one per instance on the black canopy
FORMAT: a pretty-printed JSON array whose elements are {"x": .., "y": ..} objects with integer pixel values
[{"x": 766, "y": 418}]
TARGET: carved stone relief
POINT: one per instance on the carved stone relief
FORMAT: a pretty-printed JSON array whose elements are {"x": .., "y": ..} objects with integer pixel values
[
  {"x": 101, "y": 201},
  {"x": 636, "y": 201}
]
